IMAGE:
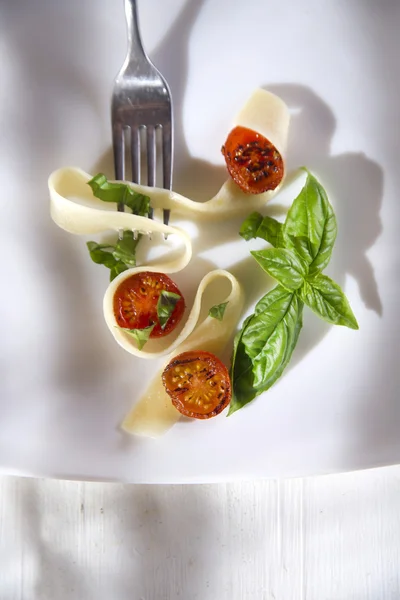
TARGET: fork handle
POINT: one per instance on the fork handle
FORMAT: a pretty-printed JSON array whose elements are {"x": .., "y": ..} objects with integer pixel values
[{"x": 135, "y": 46}]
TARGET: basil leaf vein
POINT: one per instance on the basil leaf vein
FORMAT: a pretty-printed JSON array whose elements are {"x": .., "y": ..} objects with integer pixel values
[
  {"x": 310, "y": 226},
  {"x": 274, "y": 353},
  {"x": 283, "y": 265},
  {"x": 326, "y": 298},
  {"x": 245, "y": 376},
  {"x": 269, "y": 312}
]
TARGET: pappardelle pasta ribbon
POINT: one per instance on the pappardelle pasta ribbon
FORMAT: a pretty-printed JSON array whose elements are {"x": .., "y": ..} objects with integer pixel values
[
  {"x": 154, "y": 413},
  {"x": 76, "y": 210}
]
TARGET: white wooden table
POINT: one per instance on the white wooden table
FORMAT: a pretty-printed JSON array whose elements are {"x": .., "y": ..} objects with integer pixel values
[{"x": 326, "y": 538}]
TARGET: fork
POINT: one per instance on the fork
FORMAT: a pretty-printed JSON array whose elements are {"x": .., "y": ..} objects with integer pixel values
[{"x": 141, "y": 99}]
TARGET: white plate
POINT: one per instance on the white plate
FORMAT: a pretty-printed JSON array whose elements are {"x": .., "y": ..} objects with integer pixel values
[{"x": 65, "y": 385}]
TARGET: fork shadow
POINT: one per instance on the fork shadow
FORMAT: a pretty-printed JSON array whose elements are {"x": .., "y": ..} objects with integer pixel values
[{"x": 171, "y": 58}]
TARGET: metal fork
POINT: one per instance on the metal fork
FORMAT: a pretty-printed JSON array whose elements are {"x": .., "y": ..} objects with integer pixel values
[{"x": 141, "y": 100}]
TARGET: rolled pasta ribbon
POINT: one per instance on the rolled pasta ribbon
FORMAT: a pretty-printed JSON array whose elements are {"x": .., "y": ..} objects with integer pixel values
[
  {"x": 267, "y": 114},
  {"x": 154, "y": 413},
  {"x": 75, "y": 210},
  {"x": 155, "y": 348},
  {"x": 264, "y": 112}
]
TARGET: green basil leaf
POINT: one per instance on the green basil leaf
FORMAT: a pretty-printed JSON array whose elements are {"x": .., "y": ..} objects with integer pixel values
[
  {"x": 241, "y": 373},
  {"x": 120, "y": 193},
  {"x": 244, "y": 389},
  {"x": 283, "y": 265},
  {"x": 141, "y": 335},
  {"x": 117, "y": 258},
  {"x": 274, "y": 297},
  {"x": 271, "y": 356},
  {"x": 218, "y": 311},
  {"x": 302, "y": 248},
  {"x": 275, "y": 304},
  {"x": 95, "y": 246},
  {"x": 122, "y": 256},
  {"x": 269, "y": 361},
  {"x": 270, "y": 230},
  {"x": 328, "y": 301},
  {"x": 125, "y": 249},
  {"x": 267, "y": 228},
  {"x": 272, "y": 309},
  {"x": 165, "y": 306},
  {"x": 269, "y": 311},
  {"x": 249, "y": 227},
  {"x": 310, "y": 227},
  {"x": 118, "y": 268},
  {"x": 293, "y": 336},
  {"x": 101, "y": 254}
]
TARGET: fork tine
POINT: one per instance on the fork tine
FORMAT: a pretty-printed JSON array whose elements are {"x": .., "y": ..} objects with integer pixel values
[
  {"x": 135, "y": 162},
  {"x": 167, "y": 155},
  {"x": 151, "y": 160},
  {"x": 167, "y": 164},
  {"x": 166, "y": 216},
  {"x": 151, "y": 156},
  {"x": 135, "y": 154},
  {"x": 119, "y": 155}
]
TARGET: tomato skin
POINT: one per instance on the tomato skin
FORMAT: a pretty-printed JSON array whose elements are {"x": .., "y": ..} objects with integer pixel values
[
  {"x": 135, "y": 302},
  {"x": 198, "y": 384},
  {"x": 253, "y": 162}
]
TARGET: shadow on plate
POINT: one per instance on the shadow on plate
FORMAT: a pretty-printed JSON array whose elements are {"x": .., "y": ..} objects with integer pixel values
[{"x": 354, "y": 184}]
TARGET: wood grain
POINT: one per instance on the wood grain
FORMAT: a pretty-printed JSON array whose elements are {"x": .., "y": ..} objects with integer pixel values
[{"x": 327, "y": 538}]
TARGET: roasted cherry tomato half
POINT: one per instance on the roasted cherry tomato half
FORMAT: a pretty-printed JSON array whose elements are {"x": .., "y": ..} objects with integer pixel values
[
  {"x": 198, "y": 384},
  {"x": 136, "y": 298},
  {"x": 253, "y": 162}
]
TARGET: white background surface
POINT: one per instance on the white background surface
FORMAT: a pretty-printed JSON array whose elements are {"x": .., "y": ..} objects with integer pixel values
[{"x": 328, "y": 538}]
